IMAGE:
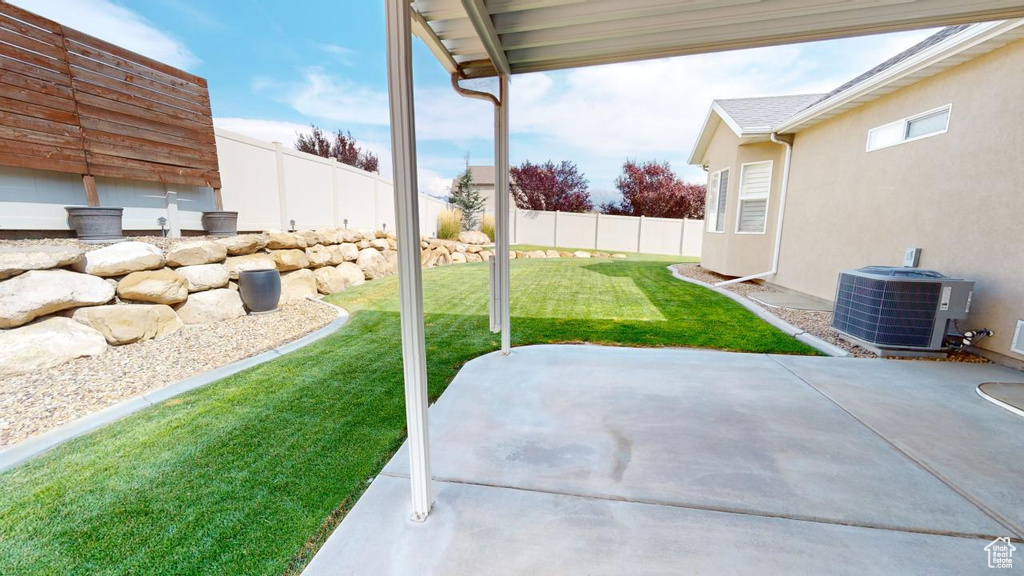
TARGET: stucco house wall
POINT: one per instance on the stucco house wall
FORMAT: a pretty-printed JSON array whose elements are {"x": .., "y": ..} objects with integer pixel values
[
  {"x": 730, "y": 252},
  {"x": 958, "y": 196}
]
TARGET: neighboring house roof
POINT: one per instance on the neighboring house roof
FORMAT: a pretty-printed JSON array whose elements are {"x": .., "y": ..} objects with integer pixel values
[
  {"x": 482, "y": 176},
  {"x": 949, "y": 47},
  {"x": 760, "y": 114}
]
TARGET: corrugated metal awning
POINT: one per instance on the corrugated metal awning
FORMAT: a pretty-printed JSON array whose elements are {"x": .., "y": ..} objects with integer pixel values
[{"x": 478, "y": 38}]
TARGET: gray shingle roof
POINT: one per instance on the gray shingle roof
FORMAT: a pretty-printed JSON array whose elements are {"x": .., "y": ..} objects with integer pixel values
[
  {"x": 916, "y": 48},
  {"x": 765, "y": 112}
]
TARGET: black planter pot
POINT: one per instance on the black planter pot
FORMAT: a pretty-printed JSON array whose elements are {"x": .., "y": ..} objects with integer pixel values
[
  {"x": 220, "y": 223},
  {"x": 260, "y": 289},
  {"x": 93, "y": 224}
]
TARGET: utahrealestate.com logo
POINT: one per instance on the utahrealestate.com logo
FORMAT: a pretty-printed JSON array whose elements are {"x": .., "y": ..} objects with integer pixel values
[{"x": 1000, "y": 553}]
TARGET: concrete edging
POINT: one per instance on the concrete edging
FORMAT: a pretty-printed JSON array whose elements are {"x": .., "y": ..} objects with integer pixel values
[
  {"x": 798, "y": 333},
  {"x": 32, "y": 447}
]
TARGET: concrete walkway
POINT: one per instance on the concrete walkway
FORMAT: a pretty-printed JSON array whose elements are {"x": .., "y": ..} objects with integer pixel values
[{"x": 592, "y": 460}]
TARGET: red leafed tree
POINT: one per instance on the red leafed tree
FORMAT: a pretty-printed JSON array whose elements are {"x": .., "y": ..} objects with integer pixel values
[
  {"x": 342, "y": 147},
  {"x": 550, "y": 186},
  {"x": 652, "y": 189}
]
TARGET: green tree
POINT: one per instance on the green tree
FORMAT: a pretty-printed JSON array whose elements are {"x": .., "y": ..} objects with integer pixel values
[{"x": 466, "y": 197}]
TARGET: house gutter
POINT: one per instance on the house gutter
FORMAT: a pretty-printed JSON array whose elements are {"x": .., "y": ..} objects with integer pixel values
[{"x": 778, "y": 221}]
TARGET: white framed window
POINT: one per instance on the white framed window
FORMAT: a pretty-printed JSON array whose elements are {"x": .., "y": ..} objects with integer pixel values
[
  {"x": 755, "y": 188},
  {"x": 923, "y": 125},
  {"x": 718, "y": 195}
]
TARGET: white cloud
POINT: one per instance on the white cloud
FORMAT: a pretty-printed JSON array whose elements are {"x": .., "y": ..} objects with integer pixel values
[
  {"x": 599, "y": 116},
  {"x": 118, "y": 25}
]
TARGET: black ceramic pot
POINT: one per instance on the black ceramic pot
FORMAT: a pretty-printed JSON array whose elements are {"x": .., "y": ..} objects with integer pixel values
[
  {"x": 94, "y": 224},
  {"x": 260, "y": 289},
  {"x": 220, "y": 223}
]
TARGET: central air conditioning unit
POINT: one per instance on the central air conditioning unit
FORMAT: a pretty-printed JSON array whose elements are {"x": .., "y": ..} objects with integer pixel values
[{"x": 891, "y": 308}]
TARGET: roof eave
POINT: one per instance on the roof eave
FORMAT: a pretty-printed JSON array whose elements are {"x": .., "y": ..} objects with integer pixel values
[{"x": 916, "y": 64}]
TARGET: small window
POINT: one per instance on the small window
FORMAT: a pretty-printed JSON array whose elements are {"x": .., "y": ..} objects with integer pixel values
[
  {"x": 931, "y": 123},
  {"x": 718, "y": 187},
  {"x": 755, "y": 187}
]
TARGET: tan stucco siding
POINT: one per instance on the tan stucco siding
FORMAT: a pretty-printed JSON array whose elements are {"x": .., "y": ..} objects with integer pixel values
[
  {"x": 958, "y": 196},
  {"x": 729, "y": 252}
]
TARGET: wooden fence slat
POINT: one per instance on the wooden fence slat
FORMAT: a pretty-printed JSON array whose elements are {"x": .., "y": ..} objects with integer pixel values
[
  {"x": 41, "y": 163},
  {"x": 11, "y": 120},
  {"x": 74, "y": 103},
  {"x": 84, "y": 40},
  {"x": 44, "y": 48},
  {"x": 145, "y": 150},
  {"x": 44, "y": 74},
  {"x": 32, "y": 97},
  {"x": 34, "y": 136},
  {"x": 89, "y": 123},
  {"x": 14, "y": 25},
  {"x": 30, "y": 17},
  {"x": 79, "y": 61},
  {"x": 47, "y": 151},
  {"x": 131, "y": 117},
  {"x": 22, "y": 55},
  {"x": 132, "y": 90},
  {"x": 118, "y": 167},
  {"x": 36, "y": 111},
  {"x": 152, "y": 109}
]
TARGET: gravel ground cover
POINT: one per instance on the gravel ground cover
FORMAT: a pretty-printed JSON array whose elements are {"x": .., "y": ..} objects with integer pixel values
[
  {"x": 814, "y": 322},
  {"x": 31, "y": 404}
]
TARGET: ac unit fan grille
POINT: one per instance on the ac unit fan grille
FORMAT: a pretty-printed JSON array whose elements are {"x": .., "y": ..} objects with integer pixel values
[{"x": 886, "y": 312}]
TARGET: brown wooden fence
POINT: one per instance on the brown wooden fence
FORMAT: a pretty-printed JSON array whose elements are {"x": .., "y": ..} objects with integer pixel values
[{"x": 73, "y": 103}]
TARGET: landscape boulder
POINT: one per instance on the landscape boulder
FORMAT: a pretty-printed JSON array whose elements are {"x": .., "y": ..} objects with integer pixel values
[
  {"x": 619, "y": 256},
  {"x": 487, "y": 254},
  {"x": 287, "y": 260},
  {"x": 552, "y": 254},
  {"x": 18, "y": 259},
  {"x": 458, "y": 257},
  {"x": 284, "y": 241},
  {"x": 351, "y": 236},
  {"x": 379, "y": 243},
  {"x": 318, "y": 255},
  {"x": 581, "y": 254},
  {"x": 351, "y": 274},
  {"x": 328, "y": 280},
  {"x": 205, "y": 276},
  {"x": 372, "y": 263},
  {"x": 537, "y": 254},
  {"x": 211, "y": 306},
  {"x": 120, "y": 259},
  {"x": 329, "y": 236},
  {"x": 45, "y": 344},
  {"x": 473, "y": 237},
  {"x": 40, "y": 292},
  {"x": 236, "y": 264},
  {"x": 196, "y": 253},
  {"x": 310, "y": 236},
  {"x": 564, "y": 254},
  {"x": 474, "y": 257},
  {"x": 155, "y": 286},
  {"x": 296, "y": 286},
  {"x": 349, "y": 252},
  {"x": 243, "y": 244},
  {"x": 126, "y": 324}
]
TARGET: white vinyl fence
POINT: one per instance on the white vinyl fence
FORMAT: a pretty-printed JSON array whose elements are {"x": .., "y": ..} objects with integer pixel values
[
  {"x": 612, "y": 233},
  {"x": 275, "y": 187}
]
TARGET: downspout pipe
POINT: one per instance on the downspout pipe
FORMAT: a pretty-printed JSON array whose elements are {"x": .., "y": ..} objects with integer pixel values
[{"x": 778, "y": 221}]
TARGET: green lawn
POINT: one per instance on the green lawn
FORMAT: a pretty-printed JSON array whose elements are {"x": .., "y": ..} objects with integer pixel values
[{"x": 250, "y": 474}]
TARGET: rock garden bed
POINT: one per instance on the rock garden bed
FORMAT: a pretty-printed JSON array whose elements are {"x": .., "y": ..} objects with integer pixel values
[{"x": 817, "y": 323}]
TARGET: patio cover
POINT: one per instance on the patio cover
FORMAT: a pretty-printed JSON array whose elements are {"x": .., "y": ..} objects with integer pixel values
[{"x": 478, "y": 38}]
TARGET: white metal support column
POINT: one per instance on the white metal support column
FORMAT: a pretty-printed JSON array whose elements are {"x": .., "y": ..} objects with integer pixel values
[
  {"x": 403, "y": 151},
  {"x": 501, "y": 228}
]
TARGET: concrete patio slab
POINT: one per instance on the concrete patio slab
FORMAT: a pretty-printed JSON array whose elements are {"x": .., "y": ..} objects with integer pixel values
[
  {"x": 699, "y": 429},
  {"x": 931, "y": 411},
  {"x": 501, "y": 531}
]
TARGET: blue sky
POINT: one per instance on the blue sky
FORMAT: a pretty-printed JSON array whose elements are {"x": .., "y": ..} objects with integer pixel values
[{"x": 275, "y": 67}]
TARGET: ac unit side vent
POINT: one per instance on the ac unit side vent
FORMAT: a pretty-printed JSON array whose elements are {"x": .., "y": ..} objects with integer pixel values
[{"x": 1018, "y": 339}]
